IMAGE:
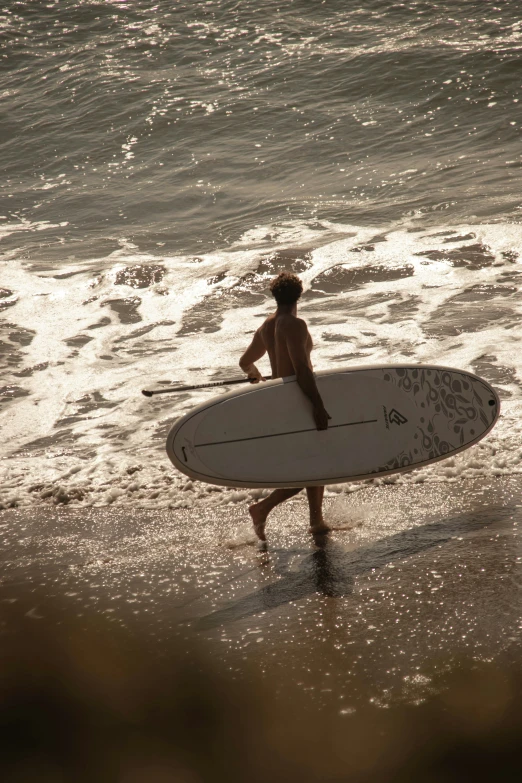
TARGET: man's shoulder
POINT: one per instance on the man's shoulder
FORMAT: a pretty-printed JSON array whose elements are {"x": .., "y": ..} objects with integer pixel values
[{"x": 268, "y": 323}]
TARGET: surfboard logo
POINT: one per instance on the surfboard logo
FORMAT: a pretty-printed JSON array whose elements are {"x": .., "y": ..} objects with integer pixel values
[{"x": 396, "y": 418}]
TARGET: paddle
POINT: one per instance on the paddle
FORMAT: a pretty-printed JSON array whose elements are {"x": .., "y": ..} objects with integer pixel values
[{"x": 148, "y": 393}]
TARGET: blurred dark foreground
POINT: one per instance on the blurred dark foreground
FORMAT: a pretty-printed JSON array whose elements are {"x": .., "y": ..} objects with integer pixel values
[{"x": 86, "y": 704}]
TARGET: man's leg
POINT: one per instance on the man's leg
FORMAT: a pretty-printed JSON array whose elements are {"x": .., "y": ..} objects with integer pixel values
[
  {"x": 315, "y": 504},
  {"x": 260, "y": 511}
]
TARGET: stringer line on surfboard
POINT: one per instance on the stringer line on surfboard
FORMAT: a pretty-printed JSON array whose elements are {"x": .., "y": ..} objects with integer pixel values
[{"x": 280, "y": 434}]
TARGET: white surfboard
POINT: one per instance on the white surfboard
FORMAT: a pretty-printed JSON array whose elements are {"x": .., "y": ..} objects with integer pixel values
[{"x": 384, "y": 419}]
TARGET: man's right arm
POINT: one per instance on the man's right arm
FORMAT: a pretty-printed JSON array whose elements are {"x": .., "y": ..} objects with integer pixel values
[
  {"x": 296, "y": 334},
  {"x": 255, "y": 351}
]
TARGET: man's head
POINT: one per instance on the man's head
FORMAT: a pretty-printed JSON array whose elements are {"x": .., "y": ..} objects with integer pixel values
[{"x": 286, "y": 288}]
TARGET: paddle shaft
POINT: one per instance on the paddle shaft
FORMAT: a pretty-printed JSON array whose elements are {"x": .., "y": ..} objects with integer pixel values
[{"x": 148, "y": 393}]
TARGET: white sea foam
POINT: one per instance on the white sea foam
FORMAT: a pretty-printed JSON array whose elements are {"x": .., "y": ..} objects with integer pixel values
[{"x": 76, "y": 429}]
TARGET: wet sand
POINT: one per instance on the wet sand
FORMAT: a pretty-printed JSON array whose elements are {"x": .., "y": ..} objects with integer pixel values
[{"x": 412, "y": 582}]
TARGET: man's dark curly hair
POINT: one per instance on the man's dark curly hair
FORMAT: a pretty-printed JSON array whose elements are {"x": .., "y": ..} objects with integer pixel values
[{"x": 286, "y": 288}]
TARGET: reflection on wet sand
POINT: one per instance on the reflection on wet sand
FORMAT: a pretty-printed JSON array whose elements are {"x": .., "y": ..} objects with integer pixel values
[{"x": 331, "y": 570}]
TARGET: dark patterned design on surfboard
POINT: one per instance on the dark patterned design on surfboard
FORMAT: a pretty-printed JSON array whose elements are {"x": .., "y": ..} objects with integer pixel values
[{"x": 462, "y": 401}]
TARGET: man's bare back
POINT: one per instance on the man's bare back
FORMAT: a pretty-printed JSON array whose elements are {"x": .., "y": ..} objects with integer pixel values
[
  {"x": 274, "y": 333},
  {"x": 286, "y": 339}
]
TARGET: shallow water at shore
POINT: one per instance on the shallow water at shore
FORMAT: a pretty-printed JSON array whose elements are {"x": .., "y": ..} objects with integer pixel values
[{"x": 411, "y": 582}]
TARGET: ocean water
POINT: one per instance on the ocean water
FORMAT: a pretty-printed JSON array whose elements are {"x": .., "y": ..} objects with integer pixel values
[{"x": 161, "y": 161}]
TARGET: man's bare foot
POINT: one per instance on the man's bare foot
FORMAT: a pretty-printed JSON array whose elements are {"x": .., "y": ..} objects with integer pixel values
[{"x": 259, "y": 515}]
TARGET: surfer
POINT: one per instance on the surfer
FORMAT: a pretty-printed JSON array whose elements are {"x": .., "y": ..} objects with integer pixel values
[{"x": 286, "y": 339}]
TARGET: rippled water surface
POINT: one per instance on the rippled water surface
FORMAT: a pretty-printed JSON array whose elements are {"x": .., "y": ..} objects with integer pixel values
[{"x": 189, "y": 123}]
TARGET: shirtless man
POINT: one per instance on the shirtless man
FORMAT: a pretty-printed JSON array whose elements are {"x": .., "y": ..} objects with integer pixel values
[{"x": 286, "y": 339}]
